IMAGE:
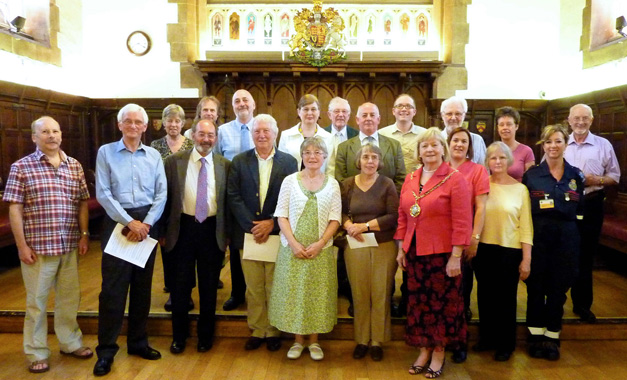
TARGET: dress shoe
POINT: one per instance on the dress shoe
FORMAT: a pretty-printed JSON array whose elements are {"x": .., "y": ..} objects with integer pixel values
[
  {"x": 399, "y": 311},
  {"x": 376, "y": 353},
  {"x": 315, "y": 351},
  {"x": 482, "y": 346},
  {"x": 351, "y": 310},
  {"x": 273, "y": 343},
  {"x": 586, "y": 315},
  {"x": 231, "y": 304},
  {"x": 204, "y": 346},
  {"x": 147, "y": 353},
  {"x": 168, "y": 304},
  {"x": 502, "y": 355},
  {"x": 103, "y": 366},
  {"x": 360, "y": 351},
  {"x": 166, "y": 289},
  {"x": 220, "y": 284},
  {"x": 177, "y": 347},
  {"x": 552, "y": 350},
  {"x": 460, "y": 354},
  {"x": 536, "y": 350},
  {"x": 295, "y": 351},
  {"x": 253, "y": 343}
]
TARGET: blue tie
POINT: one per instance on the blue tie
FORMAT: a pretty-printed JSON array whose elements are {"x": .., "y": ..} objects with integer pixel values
[{"x": 244, "y": 139}]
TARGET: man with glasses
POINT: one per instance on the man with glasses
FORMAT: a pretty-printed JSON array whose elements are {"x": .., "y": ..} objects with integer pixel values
[
  {"x": 340, "y": 113},
  {"x": 595, "y": 156},
  {"x": 453, "y": 111},
  {"x": 404, "y": 130},
  {"x": 131, "y": 187}
]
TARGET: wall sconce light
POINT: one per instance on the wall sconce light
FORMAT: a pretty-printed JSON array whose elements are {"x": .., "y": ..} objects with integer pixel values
[
  {"x": 621, "y": 24},
  {"x": 18, "y": 23}
]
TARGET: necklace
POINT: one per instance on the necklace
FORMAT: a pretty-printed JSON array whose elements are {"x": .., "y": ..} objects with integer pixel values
[
  {"x": 429, "y": 171},
  {"x": 415, "y": 210}
]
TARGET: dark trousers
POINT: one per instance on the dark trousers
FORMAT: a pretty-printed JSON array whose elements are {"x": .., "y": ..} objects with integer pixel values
[
  {"x": 196, "y": 250},
  {"x": 168, "y": 276},
  {"x": 467, "y": 282},
  {"x": 117, "y": 277},
  {"x": 497, "y": 274},
  {"x": 555, "y": 257},
  {"x": 590, "y": 230},
  {"x": 238, "y": 284}
]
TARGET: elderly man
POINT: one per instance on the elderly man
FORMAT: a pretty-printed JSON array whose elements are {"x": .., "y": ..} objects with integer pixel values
[
  {"x": 234, "y": 138},
  {"x": 131, "y": 187},
  {"x": 48, "y": 213},
  {"x": 253, "y": 190},
  {"x": 404, "y": 130},
  {"x": 595, "y": 156},
  {"x": 340, "y": 113},
  {"x": 208, "y": 108},
  {"x": 368, "y": 120},
  {"x": 195, "y": 235},
  {"x": 453, "y": 111}
]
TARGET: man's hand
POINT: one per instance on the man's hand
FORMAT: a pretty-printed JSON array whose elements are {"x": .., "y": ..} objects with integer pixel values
[
  {"x": 138, "y": 231},
  {"x": 262, "y": 229},
  {"x": 27, "y": 256},
  {"x": 83, "y": 245}
]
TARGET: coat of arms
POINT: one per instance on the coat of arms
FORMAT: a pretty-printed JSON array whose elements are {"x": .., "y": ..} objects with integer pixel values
[{"x": 319, "y": 39}]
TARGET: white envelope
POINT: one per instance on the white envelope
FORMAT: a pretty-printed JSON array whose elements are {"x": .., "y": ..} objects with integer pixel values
[
  {"x": 267, "y": 251},
  {"x": 369, "y": 241}
]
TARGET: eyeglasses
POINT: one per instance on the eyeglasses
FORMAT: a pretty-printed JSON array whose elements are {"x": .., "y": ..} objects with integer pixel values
[
  {"x": 581, "y": 118},
  {"x": 317, "y": 153},
  {"x": 129, "y": 122},
  {"x": 337, "y": 112},
  {"x": 404, "y": 107},
  {"x": 449, "y": 115}
]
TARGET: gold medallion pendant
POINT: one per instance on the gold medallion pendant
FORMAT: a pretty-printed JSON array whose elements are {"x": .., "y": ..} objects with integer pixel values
[{"x": 414, "y": 210}]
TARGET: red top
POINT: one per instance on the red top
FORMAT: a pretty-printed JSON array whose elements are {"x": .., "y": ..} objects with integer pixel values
[
  {"x": 437, "y": 228},
  {"x": 477, "y": 178}
]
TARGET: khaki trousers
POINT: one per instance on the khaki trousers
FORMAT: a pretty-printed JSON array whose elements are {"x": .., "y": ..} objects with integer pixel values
[
  {"x": 60, "y": 272},
  {"x": 258, "y": 276},
  {"x": 370, "y": 272}
]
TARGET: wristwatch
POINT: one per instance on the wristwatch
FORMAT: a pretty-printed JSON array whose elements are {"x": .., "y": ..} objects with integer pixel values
[
  {"x": 85, "y": 233},
  {"x": 368, "y": 226},
  {"x": 476, "y": 236}
]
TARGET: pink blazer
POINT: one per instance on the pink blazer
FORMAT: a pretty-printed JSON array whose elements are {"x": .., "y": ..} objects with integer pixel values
[{"x": 445, "y": 218}]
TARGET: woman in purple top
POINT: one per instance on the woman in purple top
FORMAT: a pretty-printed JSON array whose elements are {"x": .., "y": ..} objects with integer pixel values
[{"x": 507, "y": 120}]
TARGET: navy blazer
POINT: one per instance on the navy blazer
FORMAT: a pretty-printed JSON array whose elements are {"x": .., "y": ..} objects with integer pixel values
[
  {"x": 350, "y": 131},
  {"x": 243, "y": 191},
  {"x": 176, "y": 172}
]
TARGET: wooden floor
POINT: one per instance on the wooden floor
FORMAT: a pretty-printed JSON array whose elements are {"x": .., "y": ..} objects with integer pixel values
[
  {"x": 228, "y": 360},
  {"x": 610, "y": 291}
]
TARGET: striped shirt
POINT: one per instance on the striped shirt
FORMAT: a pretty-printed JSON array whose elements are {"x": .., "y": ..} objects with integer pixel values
[{"x": 51, "y": 198}]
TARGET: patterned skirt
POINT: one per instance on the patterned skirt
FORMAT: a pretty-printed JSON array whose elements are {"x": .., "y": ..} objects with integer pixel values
[{"x": 435, "y": 309}]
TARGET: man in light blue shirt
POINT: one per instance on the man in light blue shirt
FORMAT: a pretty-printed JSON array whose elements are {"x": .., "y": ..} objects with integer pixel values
[
  {"x": 453, "y": 111},
  {"x": 235, "y": 137},
  {"x": 131, "y": 187}
]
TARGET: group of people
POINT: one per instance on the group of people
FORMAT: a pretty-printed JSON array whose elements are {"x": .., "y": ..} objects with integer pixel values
[{"x": 436, "y": 203}]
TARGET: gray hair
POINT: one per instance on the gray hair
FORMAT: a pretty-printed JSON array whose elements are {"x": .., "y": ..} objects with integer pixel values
[
  {"x": 173, "y": 110},
  {"x": 583, "y": 106},
  {"x": 375, "y": 107},
  {"x": 337, "y": 100},
  {"x": 132, "y": 107},
  {"x": 317, "y": 143},
  {"x": 496, "y": 146},
  {"x": 453, "y": 100},
  {"x": 35, "y": 124},
  {"x": 265, "y": 118}
]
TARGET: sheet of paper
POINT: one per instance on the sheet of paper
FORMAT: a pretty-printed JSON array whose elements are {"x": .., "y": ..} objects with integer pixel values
[
  {"x": 369, "y": 241},
  {"x": 134, "y": 252},
  {"x": 267, "y": 251}
]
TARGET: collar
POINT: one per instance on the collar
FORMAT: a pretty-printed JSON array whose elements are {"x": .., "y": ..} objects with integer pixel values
[
  {"x": 238, "y": 124},
  {"x": 342, "y": 131},
  {"x": 39, "y": 155},
  {"x": 271, "y": 156},
  {"x": 413, "y": 129},
  {"x": 195, "y": 156},
  {"x": 588, "y": 140},
  {"x": 362, "y": 136},
  {"x": 120, "y": 146}
]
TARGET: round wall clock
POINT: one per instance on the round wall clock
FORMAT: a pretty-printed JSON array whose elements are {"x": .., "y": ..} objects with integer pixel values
[{"x": 138, "y": 43}]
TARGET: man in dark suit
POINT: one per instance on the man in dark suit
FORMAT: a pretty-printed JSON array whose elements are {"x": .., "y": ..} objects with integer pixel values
[
  {"x": 195, "y": 217},
  {"x": 253, "y": 190},
  {"x": 340, "y": 113},
  {"x": 368, "y": 120}
]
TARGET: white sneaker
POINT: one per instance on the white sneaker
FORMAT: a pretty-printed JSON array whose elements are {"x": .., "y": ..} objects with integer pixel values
[
  {"x": 295, "y": 351},
  {"x": 315, "y": 351}
]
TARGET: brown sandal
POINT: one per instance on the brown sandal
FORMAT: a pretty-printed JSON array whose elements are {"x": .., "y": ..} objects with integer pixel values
[
  {"x": 81, "y": 353},
  {"x": 36, "y": 363}
]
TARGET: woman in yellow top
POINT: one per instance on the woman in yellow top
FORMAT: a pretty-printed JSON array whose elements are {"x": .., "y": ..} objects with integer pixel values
[{"x": 503, "y": 256}]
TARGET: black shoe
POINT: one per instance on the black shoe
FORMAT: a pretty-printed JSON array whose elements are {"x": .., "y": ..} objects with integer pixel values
[
  {"x": 220, "y": 284},
  {"x": 481, "y": 346},
  {"x": 231, "y": 304},
  {"x": 204, "y": 346},
  {"x": 166, "y": 289},
  {"x": 177, "y": 347},
  {"x": 551, "y": 350},
  {"x": 399, "y": 311},
  {"x": 376, "y": 353},
  {"x": 585, "y": 315},
  {"x": 351, "y": 310},
  {"x": 273, "y": 343},
  {"x": 460, "y": 354},
  {"x": 190, "y": 307},
  {"x": 468, "y": 314},
  {"x": 147, "y": 353},
  {"x": 360, "y": 351},
  {"x": 103, "y": 366},
  {"x": 502, "y": 356},
  {"x": 536, "y": 349},
  {"x": 253, "y": 343},
  {"x": 168, "y": 304}
]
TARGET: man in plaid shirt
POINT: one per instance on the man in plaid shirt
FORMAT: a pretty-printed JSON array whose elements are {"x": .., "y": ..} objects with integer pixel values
[{"x": 48, "y": 210}]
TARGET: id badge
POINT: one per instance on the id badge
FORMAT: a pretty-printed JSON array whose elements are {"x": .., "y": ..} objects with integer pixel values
[{"x": 547, "y": 203}]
